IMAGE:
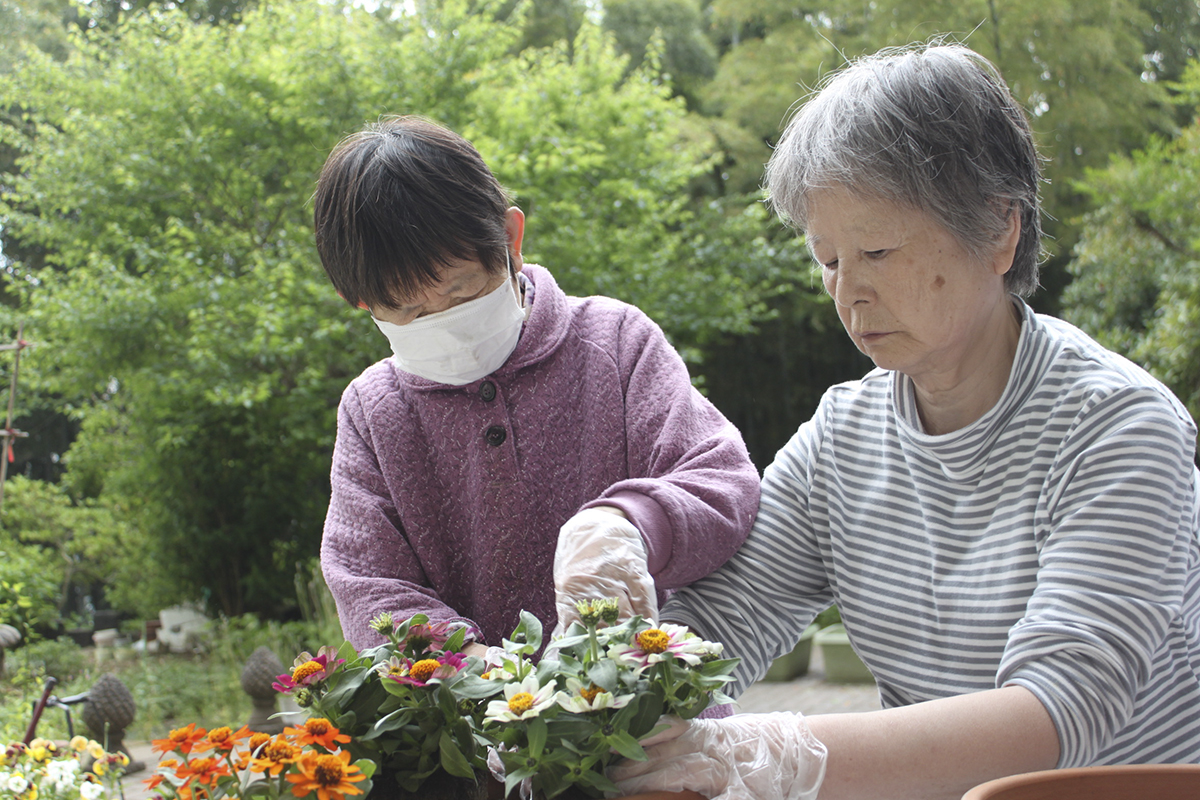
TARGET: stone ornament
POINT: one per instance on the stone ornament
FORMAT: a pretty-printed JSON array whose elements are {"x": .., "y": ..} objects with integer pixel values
[
  {"x": 261, "y": 670},
  {"x": 109, "y": 710}
]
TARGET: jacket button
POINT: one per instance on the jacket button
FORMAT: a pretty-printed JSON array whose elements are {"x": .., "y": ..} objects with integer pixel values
[
  {"x": 496, "y": 435},
  {"x": 487, "y": 391}
]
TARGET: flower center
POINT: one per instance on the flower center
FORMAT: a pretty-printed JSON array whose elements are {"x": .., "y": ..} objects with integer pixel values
[
  {"x": 279, "y": 750},
  {"x": 423, "y": 669},
  {"x": 590, "y": 692},
  {"x": 179, "y": 735},
  {"x": 201, "y": 765},
  {"x": 520, "y": 702},
  {"x": 316, "y": 726},
  {"x": 304, "y": 670},
  {"x": 258, "y": 740},
  {"x": 653, "y": 640},
  {"x": 329, "y": 771},
  {"x": 218, "y": 735}
]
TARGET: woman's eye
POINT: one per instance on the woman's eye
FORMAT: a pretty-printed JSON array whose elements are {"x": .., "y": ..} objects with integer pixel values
[
  {"x": 830, "y": 264},
  {"x": 875, "y": 254}
]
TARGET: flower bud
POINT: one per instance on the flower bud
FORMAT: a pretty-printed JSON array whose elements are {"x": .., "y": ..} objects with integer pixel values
[
  {"x": 610, "y": 609},
  {"x": 588, "y": 613},
  {"x": 383, "y": 624}
]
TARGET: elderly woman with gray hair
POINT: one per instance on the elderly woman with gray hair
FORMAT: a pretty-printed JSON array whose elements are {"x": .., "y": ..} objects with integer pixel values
[{"x": 1004, "y": 512}]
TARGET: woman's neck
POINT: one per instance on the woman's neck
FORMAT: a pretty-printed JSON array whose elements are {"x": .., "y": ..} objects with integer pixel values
[{"x": 954, "y": 400}]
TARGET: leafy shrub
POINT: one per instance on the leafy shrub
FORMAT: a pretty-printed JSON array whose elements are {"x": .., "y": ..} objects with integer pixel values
[
  {"x": 29, "y": 598},
  {"x": 60, "y": 657}
]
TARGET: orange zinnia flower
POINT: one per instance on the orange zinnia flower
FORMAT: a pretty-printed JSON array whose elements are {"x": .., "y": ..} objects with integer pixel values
[
  {"x": 318, "y": 731},
  {"x": 331, "y": 776},
  {"x": 204, "y": 771},
  {"x": 181, "y": 739},
  {"x": 223, "y": 739},
  {"x": 256, "y": 741},
  {"x": 275, "y": 757}
]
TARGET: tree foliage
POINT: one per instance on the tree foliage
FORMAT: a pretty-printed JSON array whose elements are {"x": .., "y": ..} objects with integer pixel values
[
  {"x": 1137, "y": 264},
  {"x": 165, "y": 170}
]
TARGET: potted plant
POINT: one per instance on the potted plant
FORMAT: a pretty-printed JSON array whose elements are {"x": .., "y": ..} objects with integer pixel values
[
  {"x": 842, "y": 664},
  {"x": 600, "y": 689},
  {"x": 427, "y": 716},
  {"x": 794, "y": 664}
]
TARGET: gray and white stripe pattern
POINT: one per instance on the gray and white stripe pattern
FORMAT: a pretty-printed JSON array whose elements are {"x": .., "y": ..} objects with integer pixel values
[{"x": 1051, "y": 544}]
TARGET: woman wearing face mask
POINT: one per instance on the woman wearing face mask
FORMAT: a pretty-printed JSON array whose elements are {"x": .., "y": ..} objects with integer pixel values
[{"x": 521, "y": 448}]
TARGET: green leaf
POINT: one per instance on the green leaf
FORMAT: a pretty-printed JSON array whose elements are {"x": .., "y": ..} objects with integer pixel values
[
  {"x": 536, "y": 730},
  {"x": 627, "y": 746},
  {"x": 514, "y": 778},
  {"x": 472, "y": 687},
  {"x": 454, "y": 644},
  {"x": 604, "y": 674},
  {"x": 649, "y": 710},
  {"x": 452, "y": 758}
]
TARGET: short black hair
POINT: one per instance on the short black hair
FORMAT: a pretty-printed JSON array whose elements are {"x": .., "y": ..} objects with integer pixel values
[{"x": 396, "y": 201}]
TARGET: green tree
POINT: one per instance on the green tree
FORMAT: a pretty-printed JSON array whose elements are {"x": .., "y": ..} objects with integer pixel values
[
  {"x": 688, "y": 57},
  {"x": 165, "y": 170},
  {"x": 1137, "y": 264}
]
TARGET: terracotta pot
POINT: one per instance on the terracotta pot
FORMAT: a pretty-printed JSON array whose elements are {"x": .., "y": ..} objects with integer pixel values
[{"x": 1128, "y": 782}]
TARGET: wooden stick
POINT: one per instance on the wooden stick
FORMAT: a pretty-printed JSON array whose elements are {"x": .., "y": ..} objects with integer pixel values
[{"x": 12, "y": 396}]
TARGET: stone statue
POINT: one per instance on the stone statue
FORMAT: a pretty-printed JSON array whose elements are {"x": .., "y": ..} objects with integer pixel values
[{"x": 261, "y": 670}]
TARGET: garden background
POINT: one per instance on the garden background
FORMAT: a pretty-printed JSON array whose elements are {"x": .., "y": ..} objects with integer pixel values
[{"x": 187, "y": 354}]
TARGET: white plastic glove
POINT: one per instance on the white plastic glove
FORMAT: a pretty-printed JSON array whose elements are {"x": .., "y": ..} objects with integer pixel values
[
  {"x": 743, "y": 757},
  {"x": 601, "y": 554}
]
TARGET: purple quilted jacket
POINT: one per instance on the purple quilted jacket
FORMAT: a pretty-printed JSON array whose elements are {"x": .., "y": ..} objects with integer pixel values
[{"x": 447, "y": 500}]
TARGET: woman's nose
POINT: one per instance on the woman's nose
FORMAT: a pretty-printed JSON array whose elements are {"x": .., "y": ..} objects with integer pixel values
[{"x": 849, "y": 284}]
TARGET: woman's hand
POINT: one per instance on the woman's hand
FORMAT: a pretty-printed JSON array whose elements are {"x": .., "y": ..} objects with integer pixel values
[
  {"x": 743, "y": 757},
  {"x": 601, "y": 554}
]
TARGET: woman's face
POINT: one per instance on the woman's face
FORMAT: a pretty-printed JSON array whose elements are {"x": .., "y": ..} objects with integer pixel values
[{"x": 909, "y": 295}]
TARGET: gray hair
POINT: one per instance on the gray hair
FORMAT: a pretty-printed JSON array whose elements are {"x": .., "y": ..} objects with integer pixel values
[{"x": 932, "y": 127}]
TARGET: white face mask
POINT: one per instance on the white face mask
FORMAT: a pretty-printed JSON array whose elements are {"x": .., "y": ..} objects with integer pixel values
[{"x": 463, "y": 343}]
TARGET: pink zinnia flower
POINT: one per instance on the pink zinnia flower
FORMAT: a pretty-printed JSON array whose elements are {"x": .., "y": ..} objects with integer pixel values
[
  {"x": 423, "y": 671},
  {"x": 308, "y": 669}
]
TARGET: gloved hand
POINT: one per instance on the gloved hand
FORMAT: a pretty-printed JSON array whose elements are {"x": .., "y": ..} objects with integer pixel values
[
  {"x": 743, "y": 757},
  {"x": 601, "y": 554}
]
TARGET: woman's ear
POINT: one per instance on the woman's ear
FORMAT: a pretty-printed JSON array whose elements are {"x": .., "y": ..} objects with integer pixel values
[
  {"x": 1006, "y": 247},
  {"x": 514, "y": 225}
]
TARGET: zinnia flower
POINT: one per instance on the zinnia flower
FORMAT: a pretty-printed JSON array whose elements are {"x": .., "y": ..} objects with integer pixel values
[
  {"x": 181, "y": 739},
  {"x": 428, "y": 636},
  {"x": 662, "y": 643},
  {"x": 424, "y": 671},
  {"x": 330, "y": 776},
  {"x": 308, "y": 669},
  {"x": 581, "y": 699},
  {"x": 523, "y": 700},
  {"x": 223, "y": 739},
  {"x": 318, "y": 731},
  {"x": 275, "y": 757},
  {"x": 204, "y": 771}
]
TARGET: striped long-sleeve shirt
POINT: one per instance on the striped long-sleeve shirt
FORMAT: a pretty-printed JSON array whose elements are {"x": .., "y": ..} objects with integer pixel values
[{"x": 1051, "y": 544}]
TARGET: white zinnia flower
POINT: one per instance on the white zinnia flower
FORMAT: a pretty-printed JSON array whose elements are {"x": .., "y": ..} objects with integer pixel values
[
  {"x": 523, "y": 700},
  {"x": 662, "y": 643},
  {"x": 580, "y": 699}
]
